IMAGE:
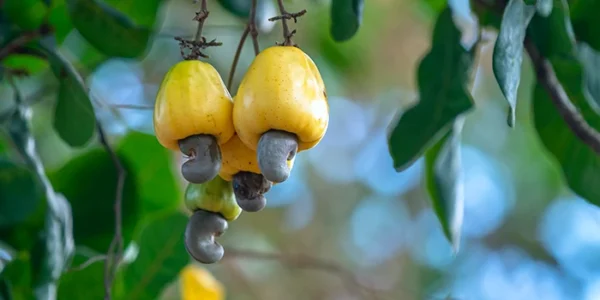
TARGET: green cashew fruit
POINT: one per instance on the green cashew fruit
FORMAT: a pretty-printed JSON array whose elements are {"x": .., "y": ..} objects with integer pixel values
[{"x": 214, "y": 196}]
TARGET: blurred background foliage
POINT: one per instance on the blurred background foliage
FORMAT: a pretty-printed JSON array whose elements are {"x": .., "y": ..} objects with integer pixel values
[{"x": 345, "y": 225}]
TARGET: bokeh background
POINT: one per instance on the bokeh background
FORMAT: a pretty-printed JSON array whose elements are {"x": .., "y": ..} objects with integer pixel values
[{"x": 525, "y": 235}]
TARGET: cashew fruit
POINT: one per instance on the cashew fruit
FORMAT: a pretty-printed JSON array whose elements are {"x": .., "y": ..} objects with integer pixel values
[
  {"x": 280, "y": 108},
  {"x": 200, "y": 233},
  {"x": 240, "y": 166},
  {"x": 214, "y": 196},
  {"x": 193, "y": 114},
  {"x": 198, "y": 283}
]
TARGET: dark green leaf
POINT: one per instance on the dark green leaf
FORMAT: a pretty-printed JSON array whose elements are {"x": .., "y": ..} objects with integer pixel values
[
  {"x": 18, "y": 274},
  {"x": 59, "y": 20},
  {"x": 508, "y": 51},
  {"x": 443, "y": 76},
  {"x": 74, "y": 118},
  {"x": 580, "y": 165},
  {"x": 142, "y": 12},
  {"x": 19, "y": 193},
  {"x": 161, "y": 256},
  {"x": 93, "y": 196},
  {"x": 530, "y": 2},
  {"x": 552, "y": 35},
  {"x": 444, "y": 182},
  {"x": 5, "y": 290},
  {"x": 152, "y": 165},
  {"x": 88, "y": 282},
  {"x": 29, "y": 64},
  {"x": 586, "y": 24},
  {"x": 108, "y": 29},
  {"x": 346, "y": 17},
  {"x": 27, "y": 14}
]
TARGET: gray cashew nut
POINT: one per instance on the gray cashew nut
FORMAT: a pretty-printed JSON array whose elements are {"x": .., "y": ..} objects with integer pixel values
[
  {"x": 275, "y": 148},
  {"x": 249, "y": 189},
  {"x": 200, "y": 233},
  {"x": 205, "y": 158}
]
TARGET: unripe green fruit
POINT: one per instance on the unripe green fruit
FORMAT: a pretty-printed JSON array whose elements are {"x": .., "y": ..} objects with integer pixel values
[{"x": 213, "y": 196}]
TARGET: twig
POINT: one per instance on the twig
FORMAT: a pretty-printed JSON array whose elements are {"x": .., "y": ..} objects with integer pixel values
[
  {"x": 284, "y": 17},
  {"x": 560, "y": 99},
  {"x": 199, "y": 43},
  {"x": 112, "y": 260},
  {"x": 547, "y": 77},
  {"x": 300, "y": 261},
  {"x": 17, "y": 43},
  {"x": 88, "y": 263},
  {"x": 250, "y": 29}
]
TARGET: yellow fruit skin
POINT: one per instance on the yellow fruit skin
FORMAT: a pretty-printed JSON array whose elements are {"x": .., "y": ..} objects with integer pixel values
[
  {"x": 214, "y": 196},
  {"x": 192, "y": 100},
  {"x": 197, "y": 283},
  {"x": 237, "y": 157},
  {"x": 281, "y": 90}
]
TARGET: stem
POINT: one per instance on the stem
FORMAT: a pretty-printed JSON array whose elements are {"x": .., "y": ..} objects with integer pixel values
[
  {"x": 112, "y": 260},
  {"x": 17, "y": 43},
  {"x": 201, "y": 17},
  {"x": 250, "y": 29},
  {"x": 286, "y": 30}
]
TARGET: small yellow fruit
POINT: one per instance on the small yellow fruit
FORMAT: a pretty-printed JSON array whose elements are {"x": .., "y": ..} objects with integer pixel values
[
  {"x": 214, "y": 196},
  {"x": 282, "y": 90},
  {"x": 197, "y": 283},
  {"x": 192, "y": 100}
]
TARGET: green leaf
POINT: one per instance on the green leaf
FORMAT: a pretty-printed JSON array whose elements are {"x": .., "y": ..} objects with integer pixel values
[
  {"x": 586, "y": 24},
  {"x": 74, "y": 118},
  {"x": 529, "y": 2},
  {"x": 553, "y": 34},
  {"x": 27, "y": 14},
  {"x": 89, "y": 181},
  {"x": 88, "y": 282},
  {"x": 161, "y": 256},
  {"x": 508, "y": 51},
  {"x": 18, "y": 275},
  {"x": 29, "y": 64},
  {"x": 108, "y": 29},
  {"x": 142, "y": 12},
  {"x": 5, "y": 290},
  {"x": 56, "y": 241},
  {"x": 443, "y": 75},
  {"x": 59, "y": 20},
  {"x": 544, "y": 7},
  {"x": 346, "y": 17},
  {"x": 445, "y": 182},
  {"x": 580, "y": 165},
  {"x": 152, "y": 164},
  {"x": 19, "y": 193}
]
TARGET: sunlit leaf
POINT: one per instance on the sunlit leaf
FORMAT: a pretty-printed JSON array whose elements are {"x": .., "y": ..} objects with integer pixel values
[
  {"x": 19, "y": 193},
  {"x": 161, "y": 257},
  {"x": 59, "y": 20},
  {"x": 442, "y": 76},
  {"x": 108, "y": 29},
  {"x": 198, "y": 283},
  {"x": 508, "y": 51},
  {"x": 29, "y": 64},
  {"x": 445, "y": 183},
  {"x": 346, "y": 17}
]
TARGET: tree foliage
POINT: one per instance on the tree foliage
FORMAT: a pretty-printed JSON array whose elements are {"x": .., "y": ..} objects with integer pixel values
[{"x": 45, "y": 213}]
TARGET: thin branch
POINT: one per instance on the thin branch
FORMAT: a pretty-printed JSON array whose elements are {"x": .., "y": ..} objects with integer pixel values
[
  {"x": 250, "y": 29},
  {"x": 17, "y": 43},
  {"x": 560, "y": 99},
  {"x": 116, "y": 245},
  {"x": 88, "y": 263},
  {"x": 301, "y": 261},
  {"x": 199, "y": 43},
  {"x": 284, "y": 17}
]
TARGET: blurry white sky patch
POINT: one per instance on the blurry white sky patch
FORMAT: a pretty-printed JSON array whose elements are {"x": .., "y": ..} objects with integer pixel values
[
  {"x": 428, "y": 245},
  {"x": 118, "y": 82},
  {"x": 570, "y": 232}
]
